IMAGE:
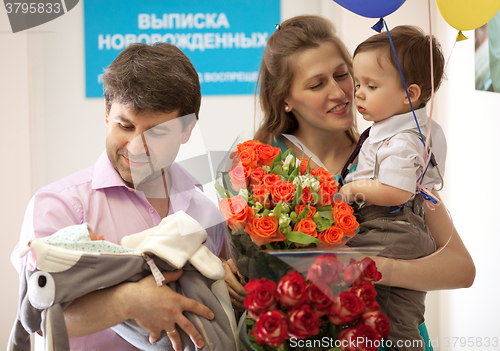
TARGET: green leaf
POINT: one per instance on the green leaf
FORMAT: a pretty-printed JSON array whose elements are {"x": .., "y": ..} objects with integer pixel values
[
  {"x": 324, "y": 208},
  {"x": 326, "y": 214},
  {"x": 301, "y": 238},
  {"x": 224, "y": 193},
  {"x": 276, "y": 160},
  {"x": 277, "y": 210},
  {"x": 278, "y": 170},
  {"x": 287, "y": 152},
  {"x": 303, "y": 214},
  {"x": 322, "y": 224},
  {"x": 298, "y": 195}
]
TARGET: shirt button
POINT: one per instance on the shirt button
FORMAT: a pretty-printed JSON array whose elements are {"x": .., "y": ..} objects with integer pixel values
[{"x": 151, "y": 209}]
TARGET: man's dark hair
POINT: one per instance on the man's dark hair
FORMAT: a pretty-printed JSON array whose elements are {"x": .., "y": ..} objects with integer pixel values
[{"x": 153, "y": 78}]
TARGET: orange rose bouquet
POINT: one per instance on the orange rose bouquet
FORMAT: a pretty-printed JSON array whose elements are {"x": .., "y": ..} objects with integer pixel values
[{"x": 280, "y": 202}]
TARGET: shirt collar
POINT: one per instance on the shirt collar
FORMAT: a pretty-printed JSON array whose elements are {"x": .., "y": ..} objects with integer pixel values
[
  {"x": 105, "y": 175},
  {"x": 392, "y": 125}
]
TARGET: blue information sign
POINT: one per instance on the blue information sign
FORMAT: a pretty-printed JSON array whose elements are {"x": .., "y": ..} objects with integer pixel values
[{"x": 224, "y": 39}]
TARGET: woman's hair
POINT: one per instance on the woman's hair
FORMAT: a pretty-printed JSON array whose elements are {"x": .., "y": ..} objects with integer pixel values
[
  {"x": 293, "y": 37},
  {"x": 414, "y": 54},
  {"x": 153, "y": 78}
]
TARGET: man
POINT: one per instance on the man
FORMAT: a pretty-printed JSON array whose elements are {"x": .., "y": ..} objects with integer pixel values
[{"x": 152, "y": 98}]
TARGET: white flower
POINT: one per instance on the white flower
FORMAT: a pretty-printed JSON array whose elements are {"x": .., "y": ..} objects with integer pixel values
[
  {"x": 289, "y": 158},
  {"x": 284, "y": 219},
  {"x": 243, "y": 193},
  {"x": 257, "y": 206},
  {"x": 267, "y": 169}
]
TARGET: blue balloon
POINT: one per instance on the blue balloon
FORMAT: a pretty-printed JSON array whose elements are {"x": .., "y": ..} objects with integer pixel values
[{"x": 371, "y": 8}]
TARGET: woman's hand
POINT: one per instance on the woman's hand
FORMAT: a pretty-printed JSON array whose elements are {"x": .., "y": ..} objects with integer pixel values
[{"x": 236, "y": 290}]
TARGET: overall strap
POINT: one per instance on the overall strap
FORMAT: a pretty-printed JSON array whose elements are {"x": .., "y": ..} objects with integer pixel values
[{"x": 350, "y": 160}]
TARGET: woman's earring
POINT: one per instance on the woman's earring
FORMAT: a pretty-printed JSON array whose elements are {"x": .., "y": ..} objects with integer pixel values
[{"x": 287, "y": 108}]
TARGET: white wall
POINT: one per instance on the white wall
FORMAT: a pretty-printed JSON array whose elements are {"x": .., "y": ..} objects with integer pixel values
[{"x": 51, "y": 130}]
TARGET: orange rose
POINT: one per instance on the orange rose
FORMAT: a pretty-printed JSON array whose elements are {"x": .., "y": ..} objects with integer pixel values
[
  {"x": 326, "y": 194},
  {"x": 347, "y": 222},
  {"x": 306, "y": 226},
  {"x": 264, "y": 230},
  {"x": 303, "y": 165},
  {"x": 331, "y": 236},
  {"x": 300, "y": 208},
  {"x": 266, "y": 154},
  {"x": 236, "y": 211},
  {"x": 249, "y": 144},
  {"x": 248, "y": 157},
  {"x": 323, "y": 175},
  {"x": 283, "y": 191},
  {"x": 257, "y": 175},
  {"x": 259, "y": 193},
  {"x": 270, "y": 180},
  {"x": 307, "y": 197},
  {"x": 341, "y": 206},
  {"x": 238, "y": 176}
]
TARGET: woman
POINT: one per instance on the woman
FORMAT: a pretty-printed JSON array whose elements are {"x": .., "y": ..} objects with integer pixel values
[{"x": 307, "y": 93}]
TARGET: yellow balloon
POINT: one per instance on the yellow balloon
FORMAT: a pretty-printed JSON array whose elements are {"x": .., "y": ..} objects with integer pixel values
[{"x": 467, "y": 14}]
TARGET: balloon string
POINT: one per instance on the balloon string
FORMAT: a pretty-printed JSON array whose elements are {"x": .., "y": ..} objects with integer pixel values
[
  {"x": 432, "y": 85},
  {"x": 407, "y": 93}
]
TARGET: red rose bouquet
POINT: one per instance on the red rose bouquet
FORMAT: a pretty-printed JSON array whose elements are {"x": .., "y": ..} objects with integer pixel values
[{"x": 333, "y": 309}]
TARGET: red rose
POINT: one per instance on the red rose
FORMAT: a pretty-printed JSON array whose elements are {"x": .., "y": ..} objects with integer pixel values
[
  {"x": 357, "y": 272},
  {"x": 359, "y": 338},
  {"x": 319, "y": 297},
  {"x": 303, "y": 322},
  {"x": 266, "y": 154},
  {"x": 238, "y": 176},
  {"x": 365, "y": 292},
  {"x": 283, "y": 191},
  {"x": 264, "y": 230},
  {"x": 236, "y": 211},
  {"x": 346, "y": 221},
  {"x": 300, "y": 208},
  {"x": 270, "y": 329},
  {"x": 256, "y": 175},
  {"x": 292, "y": 290},
  {"x": 326, "y": 269},
  {"x": 331, "y": 236},
  {"x": 306, "y": 226},
  {"x": 377, "y": 321},
  {"x": 262, "y": 297},
  {"x": 307, "y": 197},
  {"x": 346, "y": 308}
]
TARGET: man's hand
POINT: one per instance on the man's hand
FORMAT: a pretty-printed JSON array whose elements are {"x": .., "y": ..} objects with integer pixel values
[
  {"x": 160, "y": 308},
  {"x": 236, "y": 290}
]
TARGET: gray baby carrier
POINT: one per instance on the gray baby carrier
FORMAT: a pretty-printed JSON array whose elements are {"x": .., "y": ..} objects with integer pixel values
[{"x": 61, "y": 275}]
